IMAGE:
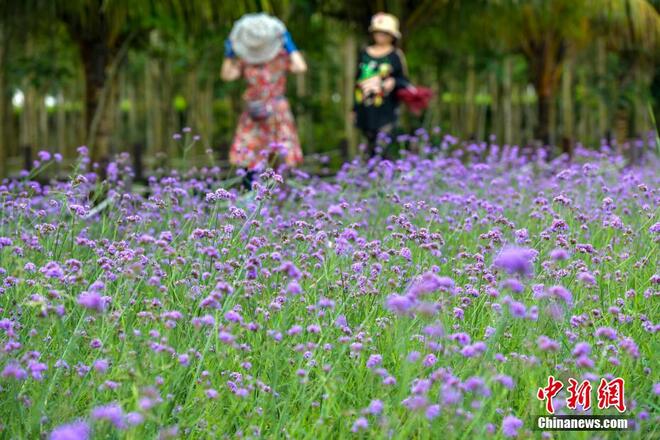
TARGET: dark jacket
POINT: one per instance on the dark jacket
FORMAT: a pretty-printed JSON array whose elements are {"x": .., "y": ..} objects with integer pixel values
[{"x": 374, "y": 111}]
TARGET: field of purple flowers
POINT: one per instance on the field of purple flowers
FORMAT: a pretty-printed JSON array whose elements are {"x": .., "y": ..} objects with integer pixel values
[{"x": 423, "y": 297}]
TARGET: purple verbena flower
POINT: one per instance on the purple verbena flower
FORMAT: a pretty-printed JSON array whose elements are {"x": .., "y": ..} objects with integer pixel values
[
  {"x": 92, "y": 301},
  {"x": 375, "y": 407},
  {"x": 432, "y": 411},
  {"x": 516, "y": 260},
  {"x": 511, "y": 425},
  {"x": 374, "y": 360},
  {"x": 360, "y": 424},
  {"x": 399, "y": 304},
  {"x": 606, "y": 333},
  {"x": 72, "y": 431},
  {"x": 14, "y": 369},
  {"x": 111, "y": 413}
]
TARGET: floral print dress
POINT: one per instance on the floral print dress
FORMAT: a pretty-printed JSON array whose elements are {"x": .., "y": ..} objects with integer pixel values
[{"x": 256, "y": 139}]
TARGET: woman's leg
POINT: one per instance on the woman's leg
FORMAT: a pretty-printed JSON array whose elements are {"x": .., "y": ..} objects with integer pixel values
[
  {"x": 372, "y": 140},
  {"x": 390, "y": 130},
  {"x": 371, "y": 143},
  {"x": 248, "y": 177}
]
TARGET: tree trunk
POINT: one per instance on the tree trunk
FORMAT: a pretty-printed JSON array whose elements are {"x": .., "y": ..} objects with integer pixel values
[
  {"x": 206, "y": 110},
  {"x": 171, "y": 124},
  {"x": 96, "y": 59},
  {"x": 482, "y": 112},
  {"x": 119, "y": 136},
  {"x": 350, "y": 51},
  {"x": 29, "y": 125},
  {"x": 438, "y": 90},
  {"x": 132, "y": 129},
  {"x": 77, "y": 116},
  {"x": 60, "y": 124},
  {"x": 625, "y": 86},
  {"x": 622, "y": 128},
  {"x": 641, "y": 120},
  {"x": 583, "y": 112},
  {"x": 192, "y": 96},
  {"x": 148, "y": 94},
  {"x": 155, "y": 144},
  {"x": 494, "y": 91},
  {"x": 530, "y": 118},
  {"x": 517, "y": 110},
  {"x": 42, "y": 112},
  {"x": 543, "y": 126},
  {"x": 4, "y": 150},
  {"x": 567, "y": 109},
  {"x": 506, "y": 101},
  {"x": 545, "y": 61},
  {"x": 454, "y": 109},
  {"x": 470, "y": 108},
  {"x": 601, "y": 70}
]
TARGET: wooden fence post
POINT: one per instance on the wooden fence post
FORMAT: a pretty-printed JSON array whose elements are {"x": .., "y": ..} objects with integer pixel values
[
  {"x": 567, "y": 114},
  {"x": 138, "y": 166},
  {"x": 4, "y": 150},
  {"x": 438, "y": 90},
  {"x": 350, "y": 50},
  {"x": 507, "y": 106},
  {"x": 470, "y": 105},
  {"x": 494, "y": 93},
  {"x": 601, "y": 71},
  {"x": 27, "y": 157}
]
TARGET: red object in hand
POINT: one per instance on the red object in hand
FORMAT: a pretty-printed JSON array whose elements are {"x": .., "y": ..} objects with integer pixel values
[{"x": 415, "y": 98}]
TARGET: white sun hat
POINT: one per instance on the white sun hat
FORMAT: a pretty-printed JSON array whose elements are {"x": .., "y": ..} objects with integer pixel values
[
  {"x": 257, "y": 38},
  {"x": 388, "y": 23}
]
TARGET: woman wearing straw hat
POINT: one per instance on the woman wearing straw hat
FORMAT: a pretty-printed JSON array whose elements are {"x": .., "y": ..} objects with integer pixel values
[
  {"x": 260, "y": 49},
  {"x": 381, "y": 71}
]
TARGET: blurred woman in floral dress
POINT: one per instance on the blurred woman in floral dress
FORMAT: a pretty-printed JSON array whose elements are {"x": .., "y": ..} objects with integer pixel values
[{"x": 261, "y": 50}]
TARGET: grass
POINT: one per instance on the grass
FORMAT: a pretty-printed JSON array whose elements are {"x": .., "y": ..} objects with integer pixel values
[{"x": 146, "y": 277}]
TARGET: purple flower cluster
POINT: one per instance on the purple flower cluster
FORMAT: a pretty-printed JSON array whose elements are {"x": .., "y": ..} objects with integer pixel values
[{"x": 428, "y": 291}]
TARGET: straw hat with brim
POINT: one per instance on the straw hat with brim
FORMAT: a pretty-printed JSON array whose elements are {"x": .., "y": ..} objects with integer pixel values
[
  {"x": 387, "y": 23},
  {"x": 257, "y": 38}
]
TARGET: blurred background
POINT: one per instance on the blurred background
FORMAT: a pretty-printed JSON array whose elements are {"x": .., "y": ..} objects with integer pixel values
[{"x": 124, "y": 75}]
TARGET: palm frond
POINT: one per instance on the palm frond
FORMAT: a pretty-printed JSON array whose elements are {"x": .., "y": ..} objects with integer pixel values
[{"x": 628, "y": 24}]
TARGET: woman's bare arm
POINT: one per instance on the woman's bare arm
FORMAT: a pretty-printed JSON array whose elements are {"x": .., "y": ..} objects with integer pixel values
[
  {"x": 298, "y": 64},
  {"x": 230, "y": 70}
]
